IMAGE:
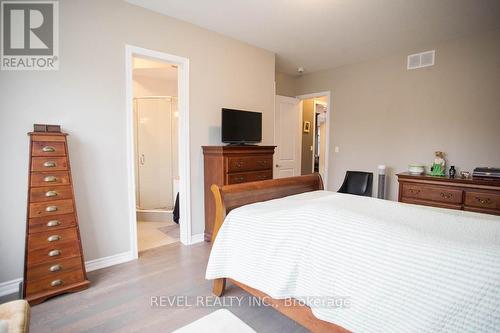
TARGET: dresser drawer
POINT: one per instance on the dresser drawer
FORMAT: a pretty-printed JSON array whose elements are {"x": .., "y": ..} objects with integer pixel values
[
  {"x": 52, "y": 268},
  {"x": 49, "y": 164},
  {"x": 245, "y": 177},
  {"x": 51, "y": 238},
  {"x": 50, "y": 208},
  {"x": 54, "y": 251},
  {"x": 40, "y": 194},
  {"x": 54, "y": 282},
  {"x": 48, "y": 148},
  {"x": 432, "y": 193},
  {"x": 482, "y": 200},
  {"x": 50, "y": 178},
  {"x": 249, "y": 163},
  {"x": 49, "y": 223}
]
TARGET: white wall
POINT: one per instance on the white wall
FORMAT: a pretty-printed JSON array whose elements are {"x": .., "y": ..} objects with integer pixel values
[
  {"x": 87, "y": 97},
  {"x": 384, "y": 114}
]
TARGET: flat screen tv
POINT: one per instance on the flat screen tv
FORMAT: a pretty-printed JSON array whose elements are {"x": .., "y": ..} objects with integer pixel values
[{"x": 241, "y": 127}]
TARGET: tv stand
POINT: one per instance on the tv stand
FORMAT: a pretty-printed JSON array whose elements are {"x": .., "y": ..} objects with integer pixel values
[
  {"x": 233, "y": 164},
  {"x": 241, "y": 144}
]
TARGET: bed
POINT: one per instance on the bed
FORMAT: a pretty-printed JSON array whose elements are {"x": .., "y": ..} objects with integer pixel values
[{"x": 355, "y": 263}]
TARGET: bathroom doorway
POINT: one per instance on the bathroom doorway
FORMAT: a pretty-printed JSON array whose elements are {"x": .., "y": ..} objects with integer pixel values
[{"x": 156, "y": 151}]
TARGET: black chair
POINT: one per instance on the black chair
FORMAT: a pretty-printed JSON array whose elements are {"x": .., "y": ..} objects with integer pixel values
[{"x": 358, "y": 183}]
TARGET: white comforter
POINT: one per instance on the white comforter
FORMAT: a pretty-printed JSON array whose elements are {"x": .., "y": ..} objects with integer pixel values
[{"x": 394, "y": 267}]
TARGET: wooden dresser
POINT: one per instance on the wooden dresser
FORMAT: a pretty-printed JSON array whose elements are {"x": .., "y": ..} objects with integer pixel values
[
  {"x": 476, "y": 195},
  {"x": 233, "y": 165},
  {"x": 53, "y": 258}
]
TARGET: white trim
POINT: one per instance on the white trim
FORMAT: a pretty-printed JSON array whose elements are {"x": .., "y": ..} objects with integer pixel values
[
  {"x": 10, "y": 287},
  {"x": 198, "y": 238},
  {"x": 328, "y": 96},
  {"x": 104, "y": 262},
  {"x": 184, "y": 148}
]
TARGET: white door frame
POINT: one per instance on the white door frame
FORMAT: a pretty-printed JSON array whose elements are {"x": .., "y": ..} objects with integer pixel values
[
  {"x": 326, "y": 94},
  {"x": 184, "y": 164}
]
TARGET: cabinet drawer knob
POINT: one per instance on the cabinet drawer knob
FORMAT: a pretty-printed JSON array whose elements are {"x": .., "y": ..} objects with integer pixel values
[
  {"x": 56, "y": 283},
  {"x": 53, "y": 223},
  {"x": 49, "y": 209},
  {"x": 55, "y": 268},
  {"x": 54, "y": 238},
  {"x": 48, "y": 149},
  {"x": 50, "y": 179},
  {"x": 49, "y": 164},
  {"x": 54, "y": 253},
  {"x": 51, "y": 194},
  {"x": 482, "y": 201}
]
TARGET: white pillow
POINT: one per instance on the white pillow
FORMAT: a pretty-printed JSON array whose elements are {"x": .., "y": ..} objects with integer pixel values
[{"x": 4, "y": 326}]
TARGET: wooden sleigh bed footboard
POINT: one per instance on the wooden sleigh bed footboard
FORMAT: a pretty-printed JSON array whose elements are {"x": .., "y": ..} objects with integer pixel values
[{"x": 230, "y": 197}]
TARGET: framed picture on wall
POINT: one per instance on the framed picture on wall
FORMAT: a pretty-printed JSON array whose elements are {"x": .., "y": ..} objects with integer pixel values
[{"x": 307, "y": 126}]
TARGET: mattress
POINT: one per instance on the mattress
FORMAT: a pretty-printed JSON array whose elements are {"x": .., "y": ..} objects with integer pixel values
[{"x": 366, "y": 264}]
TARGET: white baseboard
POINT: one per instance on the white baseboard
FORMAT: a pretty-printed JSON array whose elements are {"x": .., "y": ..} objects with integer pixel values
[
  {"x": 198, "y": 238},
  {"x": 10, "y": 287},
  {"x": 104, "y": 262}
]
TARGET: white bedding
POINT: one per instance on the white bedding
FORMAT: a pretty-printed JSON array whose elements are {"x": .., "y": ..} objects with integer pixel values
[{"x": 401, "y": 268}]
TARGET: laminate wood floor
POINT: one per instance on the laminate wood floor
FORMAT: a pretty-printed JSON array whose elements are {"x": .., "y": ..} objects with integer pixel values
[{"x": 119, "y": 299}]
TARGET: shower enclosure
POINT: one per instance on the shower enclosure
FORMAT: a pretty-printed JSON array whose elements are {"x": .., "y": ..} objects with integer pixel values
[{"x": 156, "y": 152}]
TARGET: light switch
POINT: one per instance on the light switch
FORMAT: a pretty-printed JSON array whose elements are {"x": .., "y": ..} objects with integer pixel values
[{"x": 337, "y": 149}]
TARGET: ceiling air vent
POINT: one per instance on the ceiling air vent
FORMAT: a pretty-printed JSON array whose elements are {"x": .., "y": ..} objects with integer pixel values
[{"x": 419, "y": 60}]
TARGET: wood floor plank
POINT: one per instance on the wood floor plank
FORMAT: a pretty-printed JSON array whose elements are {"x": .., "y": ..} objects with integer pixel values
[{"x": 119, "y": 299}]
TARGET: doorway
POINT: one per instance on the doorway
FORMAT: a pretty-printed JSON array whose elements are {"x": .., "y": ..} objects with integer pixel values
[
  {"x": 302, "y": 135},
  {"x": 158, "y": 118}
]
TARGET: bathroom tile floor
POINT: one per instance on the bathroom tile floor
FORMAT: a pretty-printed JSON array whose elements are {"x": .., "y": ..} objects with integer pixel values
[{"x": 150, "y": 234}]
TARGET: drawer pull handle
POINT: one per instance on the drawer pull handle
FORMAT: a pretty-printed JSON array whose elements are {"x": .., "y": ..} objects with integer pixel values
[
  {"x": 239, "y": 164},
  {"x": 262, "y": 163},
  {"x": 54, "y": 238},
  {"x": 56, "y": 283},
  {"x": 51, "y": 194},
  {"x": 54, "y": 253},
  {"x": 55, "y": 268},
  {"x": 414, "y": 191},
  {"x": 49, "y": 164},
  {"x": 482, "y": 201},
  {"x": 48, "y": 149},
  {"x": 49, "y": 209},
  {"x": 50, "y": 179},
  {"x": 53, "y": 223},
  {"x": 261, "y": 177},
  {"x": 446, "y": 195},
  {"x": 239, "y": 179}
]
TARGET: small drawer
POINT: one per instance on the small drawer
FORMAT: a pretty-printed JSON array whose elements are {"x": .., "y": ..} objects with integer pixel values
[
  {"x": 49, "y": 163},
  {"x": 482, "y": 200},
  {"x": 50, "y": 208},
  {"x": 48, "y": 148},
  {"x": 54, "y": 252},
  {"x": 51, "y": 238},
  {"x": 53, "y": 268},
  {"x": 50, "y": 223},
  {"x": 245, "y": 177},
  {"x": 50, "y": 178},
  {"x": 432, "y": 193},
  {"x": 249, "y": 163},
  {"x": 54, "y": 282},
  {"x": 41, "y": 194}
]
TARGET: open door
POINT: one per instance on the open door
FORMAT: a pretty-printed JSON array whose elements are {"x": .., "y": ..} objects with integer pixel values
[{"x": 287, "y": 127}]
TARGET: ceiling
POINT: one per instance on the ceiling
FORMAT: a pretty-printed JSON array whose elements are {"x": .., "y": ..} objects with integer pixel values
[
  {"x": 321, "y": 34},
  {"x": 145, "y": 67}
]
